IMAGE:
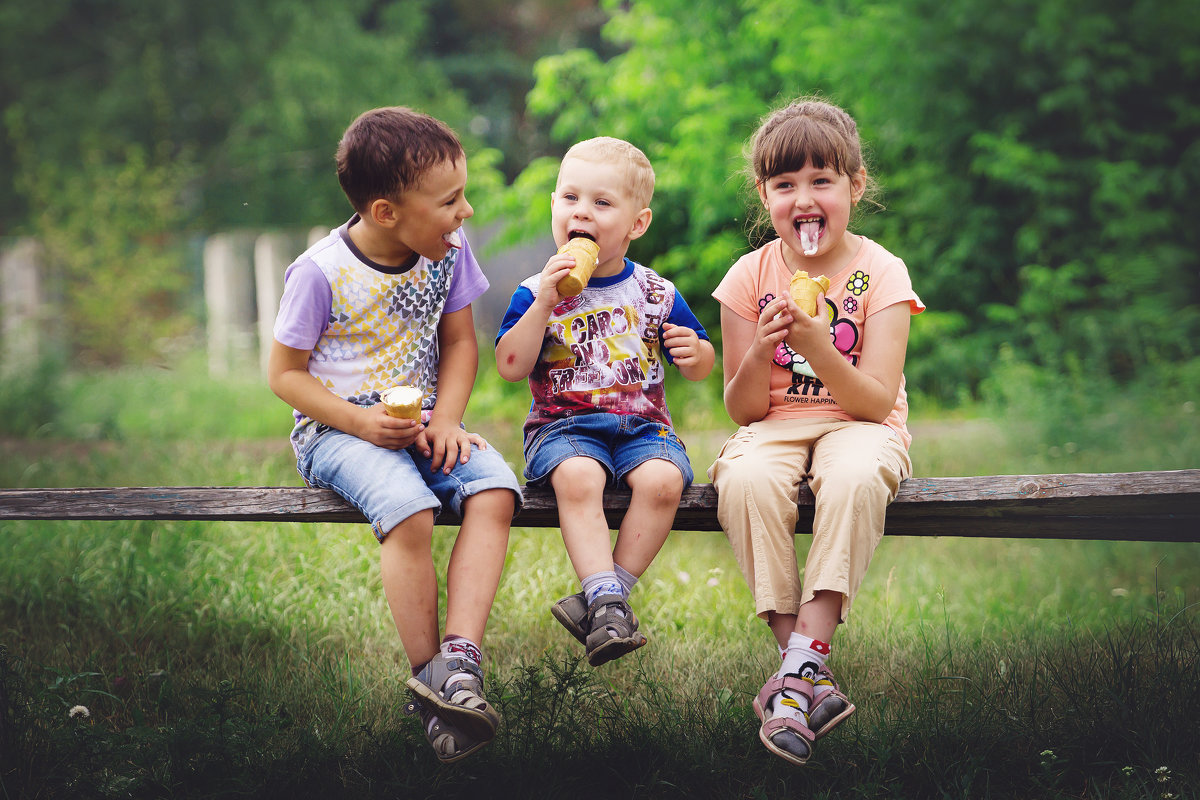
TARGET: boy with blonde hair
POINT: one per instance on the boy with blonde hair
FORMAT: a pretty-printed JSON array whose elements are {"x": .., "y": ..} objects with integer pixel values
[{"x": 599, "y": 415}]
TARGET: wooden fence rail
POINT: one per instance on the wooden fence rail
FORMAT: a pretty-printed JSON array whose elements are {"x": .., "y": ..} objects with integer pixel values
[{"x": 1130, "y": 506}]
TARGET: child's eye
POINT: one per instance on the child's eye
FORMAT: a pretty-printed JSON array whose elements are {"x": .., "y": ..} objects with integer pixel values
[
  {"x": 570, "y": 197},
  {"x": 603, "y": 203}
]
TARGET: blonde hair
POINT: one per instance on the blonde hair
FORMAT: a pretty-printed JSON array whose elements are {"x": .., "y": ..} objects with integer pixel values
[{"x": 634, "y": 166}]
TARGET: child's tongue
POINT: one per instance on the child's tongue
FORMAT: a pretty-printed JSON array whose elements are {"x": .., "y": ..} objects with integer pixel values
[{"x": 809, "y": 231}]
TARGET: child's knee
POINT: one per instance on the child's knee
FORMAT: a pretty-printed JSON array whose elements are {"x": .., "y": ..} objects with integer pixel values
[
  {"x": 492, "y": 503},
  {"x": 657, "y": 479},
  {"x": 415, "y": 531},
  {"x": 578, "y": 479}
]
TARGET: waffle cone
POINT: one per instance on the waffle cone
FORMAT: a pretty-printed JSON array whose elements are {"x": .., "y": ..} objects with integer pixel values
[
  {"x": 805, "y": 290},
  {"x": 586, "y": 254},
  {"x": 403, "y": 402}
]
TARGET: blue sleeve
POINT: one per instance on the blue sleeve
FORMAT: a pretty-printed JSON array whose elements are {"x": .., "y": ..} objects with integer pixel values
[
  {"x": 681, "y": 314},
  {"x": 520, "y": 302}
]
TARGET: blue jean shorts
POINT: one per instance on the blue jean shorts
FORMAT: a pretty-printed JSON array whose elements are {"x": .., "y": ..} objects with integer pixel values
[
  {"x": 620, "y": 442},
  {"x": 389, "y": 486}
]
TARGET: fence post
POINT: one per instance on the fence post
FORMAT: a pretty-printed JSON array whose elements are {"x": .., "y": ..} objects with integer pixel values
[
  {"x": 272, "y": 254},
  {"x": 229, "y": 298},
  {"x": 22, "y": 303}
]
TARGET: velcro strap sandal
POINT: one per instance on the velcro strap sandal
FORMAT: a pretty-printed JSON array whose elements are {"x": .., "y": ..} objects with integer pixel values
[
  {"x": 449, "y": 743},
  {"x": 459, "y": 703},
  {"x": 572, "y": 614},
  {"x": 831, "y": 708},
  {"x": 788, "y": 737},
  {"x": 612, "y": 630}
]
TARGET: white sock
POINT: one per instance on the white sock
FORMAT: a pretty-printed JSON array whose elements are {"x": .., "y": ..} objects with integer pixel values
[
  {"x": 600, "y": 583},
  {"x": 804, "y": 657},
  {"x": 628, "y": 579}
]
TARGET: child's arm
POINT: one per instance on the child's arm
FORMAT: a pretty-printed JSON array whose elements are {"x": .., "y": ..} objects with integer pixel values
[
  {"x": 747, "y": 347},
  {"x": 444, "y": 441},
  {"x": 518, "y": 349},
  {"x": 867, "y": 391},
  {"x": 289, "y": 378},
  {"x": 694, "y": 356}
]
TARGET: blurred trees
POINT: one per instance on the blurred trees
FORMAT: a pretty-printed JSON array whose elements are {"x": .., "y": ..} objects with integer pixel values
[
  {"x": 1039, "y": 159},
  {"x": 224, "y": 114}
]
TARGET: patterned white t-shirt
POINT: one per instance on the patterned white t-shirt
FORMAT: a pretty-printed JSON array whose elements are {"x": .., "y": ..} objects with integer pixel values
[{"x": 370, "y": 327}]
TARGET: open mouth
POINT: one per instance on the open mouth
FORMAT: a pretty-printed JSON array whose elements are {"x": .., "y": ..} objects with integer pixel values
[
  {"x": 453, "y": 239},
  {"x": 809, "y": 230},
  {"x": 580, "y": 235}
]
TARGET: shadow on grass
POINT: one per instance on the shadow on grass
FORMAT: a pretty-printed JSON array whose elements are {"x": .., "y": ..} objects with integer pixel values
[{"x": 1113, "y": 715}]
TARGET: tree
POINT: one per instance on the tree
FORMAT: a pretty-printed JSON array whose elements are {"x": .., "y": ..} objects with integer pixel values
[{"x": 1035, "y": 157}]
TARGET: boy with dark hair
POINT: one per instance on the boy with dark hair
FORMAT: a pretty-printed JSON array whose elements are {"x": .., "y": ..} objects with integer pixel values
[{"x": 385, "y": 300}]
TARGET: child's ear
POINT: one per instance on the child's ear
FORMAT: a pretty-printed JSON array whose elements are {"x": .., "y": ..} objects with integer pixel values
[
  {"x": 858, "y": 184},
  {"x": 640, "y": 224},
  {"x": 382, "y": 212}
]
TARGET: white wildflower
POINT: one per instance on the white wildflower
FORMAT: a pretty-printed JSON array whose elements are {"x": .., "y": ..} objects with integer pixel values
[
  {"x": 79, "y": 711},
  {"x": 683, "y": 576}
]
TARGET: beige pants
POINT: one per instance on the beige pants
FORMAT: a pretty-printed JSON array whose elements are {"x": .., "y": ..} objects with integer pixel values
[{"x": 853, "y": 468}]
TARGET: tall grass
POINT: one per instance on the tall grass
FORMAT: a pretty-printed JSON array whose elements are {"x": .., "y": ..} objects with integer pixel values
[{"x": 220, "y": 659}]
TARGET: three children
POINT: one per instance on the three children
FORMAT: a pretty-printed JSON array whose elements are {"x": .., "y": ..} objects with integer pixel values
[{"x": 385, "y": 299}]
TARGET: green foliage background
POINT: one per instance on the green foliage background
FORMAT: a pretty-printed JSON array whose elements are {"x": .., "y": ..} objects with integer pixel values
[{"x": 1038, "y": 159}]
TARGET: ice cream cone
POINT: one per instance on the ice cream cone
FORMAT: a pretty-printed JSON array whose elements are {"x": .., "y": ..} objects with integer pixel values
[
  {"x": 586, "y": 254},
  {"x": 805, "y": 290},
  {"x": 402, "y": 401}
]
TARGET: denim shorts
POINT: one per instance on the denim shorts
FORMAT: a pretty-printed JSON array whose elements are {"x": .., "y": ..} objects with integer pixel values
[
  {"x": 389, "y": 486},
  {"x": 620, "y": 442}
]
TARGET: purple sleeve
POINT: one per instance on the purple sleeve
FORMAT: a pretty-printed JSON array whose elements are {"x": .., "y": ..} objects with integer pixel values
[
  {"x": 305, "y": 305},
  {"x": 468, "y": 282}
]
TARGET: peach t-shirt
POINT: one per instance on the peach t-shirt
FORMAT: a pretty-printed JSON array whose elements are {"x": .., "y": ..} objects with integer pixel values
[{"x": 873, "y": 280}]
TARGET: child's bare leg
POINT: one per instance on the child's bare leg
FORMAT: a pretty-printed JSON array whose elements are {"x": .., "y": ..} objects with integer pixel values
[
  {"x": 410, "y": 585},
  {"x": 579, "y": 490},
  {"x": 818, "y": 619},
  {"x": 657, "y": 486},
  {"x": 476, "y": 562}
]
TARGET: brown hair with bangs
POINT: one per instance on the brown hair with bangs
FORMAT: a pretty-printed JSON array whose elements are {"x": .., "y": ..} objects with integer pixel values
[
  {"x": 806, "y": 130},
  {"x": 387, "y": 151}
]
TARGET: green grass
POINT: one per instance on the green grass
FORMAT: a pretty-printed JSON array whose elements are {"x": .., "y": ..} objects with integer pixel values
[{"x": 222, "y": 660}]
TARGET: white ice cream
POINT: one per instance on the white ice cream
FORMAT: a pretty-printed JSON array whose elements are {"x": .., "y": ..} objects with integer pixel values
[
  {"x": 401, "y": 396},
  {"x": 809, "y": 232}
]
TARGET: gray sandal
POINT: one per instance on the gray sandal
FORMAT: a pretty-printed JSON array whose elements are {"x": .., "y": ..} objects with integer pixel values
[
  {"x": 572, "y": 613},
  {"x": 448, "y": 742},
  {"x": 612, "y": 630},
  {"x": 460, "y": 705}
]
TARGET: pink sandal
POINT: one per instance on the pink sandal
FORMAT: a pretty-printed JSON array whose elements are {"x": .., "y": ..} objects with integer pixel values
[
  {"x": 832, "y": 709},
  {"x": 786, "y": 737}
]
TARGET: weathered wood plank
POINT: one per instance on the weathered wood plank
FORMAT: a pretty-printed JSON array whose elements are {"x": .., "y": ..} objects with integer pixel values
[{"x": 1148, "y": 506}]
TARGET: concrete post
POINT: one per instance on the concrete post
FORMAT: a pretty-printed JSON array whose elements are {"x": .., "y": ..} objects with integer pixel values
[
  {"x": 21, "y": 303},
  {"x": 229, "y": 299}
]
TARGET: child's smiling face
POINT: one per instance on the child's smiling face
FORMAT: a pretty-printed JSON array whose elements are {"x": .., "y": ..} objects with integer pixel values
[
  {"x": 593, "y": 198},
  {"x": 433, "y": 210},
  {"x": 810, "y": 209}
]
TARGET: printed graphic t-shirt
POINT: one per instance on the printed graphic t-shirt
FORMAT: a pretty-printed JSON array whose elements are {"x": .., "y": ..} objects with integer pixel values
[
  {"x": 602, "y": 350},
  {"x": 370, "y": 327},
  {"x": 873, "y": 280}
]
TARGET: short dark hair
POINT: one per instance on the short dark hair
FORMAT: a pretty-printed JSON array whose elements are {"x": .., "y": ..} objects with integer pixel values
[{"x": 386, "y": 151}]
